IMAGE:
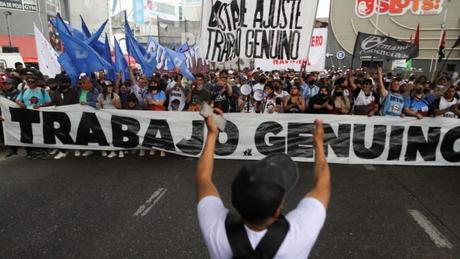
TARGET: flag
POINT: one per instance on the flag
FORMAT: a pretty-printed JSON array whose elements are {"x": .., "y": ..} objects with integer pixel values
[
  {"x": 61, "y": 25},
  {"x": 138, "y": 52},
  {"x": 417, "y": 36},
  {"x": 80, "y": 55},
  {"x": 94, "y": 42},
  {"x": 183, "y": 48},
  {"x": 442, "y": 46},
  {"x": 84, "y": 28},
  {"x": 120, "y": 62},
  {"x": 69, "y": 68},
  {"x": 365, "y": 47},
  {"x": 409, "y": 65},
  {"x": 47, "y": 56},
  {"x": 178, "y": 59},
  {"x": 416, "y": 42},
  {"x": 107, "y": 55}
]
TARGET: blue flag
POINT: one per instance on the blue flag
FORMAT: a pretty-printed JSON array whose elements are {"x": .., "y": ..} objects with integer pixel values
[
  {"x": 81, "y": 55},
  {"x": 60, "y": 24},
  {"x": 107, "y": 55},
  {"x": 69, "y": 68},
  {"x": 178, "y": 59},
  {"x": 183, "y": 48},
  {"x": 138, "y": 52},
  {"x": 84, "y": 28},
  {"x": 120, "y": 62},
  {"x": 94, "y": 42}
]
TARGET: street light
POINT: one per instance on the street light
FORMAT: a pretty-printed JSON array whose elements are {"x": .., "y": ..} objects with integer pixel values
[{"x": 8, "y": 13}]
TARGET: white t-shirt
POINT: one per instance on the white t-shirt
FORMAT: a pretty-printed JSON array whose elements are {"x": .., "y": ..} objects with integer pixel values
[
  {"x": 176, "y": 93},
  {"x": 444, "y": 104},
  {"x": 305, "y": 223}
]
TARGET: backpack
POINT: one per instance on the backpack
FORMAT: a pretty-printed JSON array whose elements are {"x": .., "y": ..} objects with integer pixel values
[{"x": 267, "y": 247}]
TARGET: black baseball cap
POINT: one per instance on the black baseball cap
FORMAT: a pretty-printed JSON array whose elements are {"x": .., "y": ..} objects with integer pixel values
[{"x": 260, "y": 188}]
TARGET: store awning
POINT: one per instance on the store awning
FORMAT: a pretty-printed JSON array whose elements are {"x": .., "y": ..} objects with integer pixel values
[{"x": 26, "y": 45}]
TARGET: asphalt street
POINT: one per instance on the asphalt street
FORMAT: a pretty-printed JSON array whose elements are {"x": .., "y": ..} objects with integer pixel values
[{"x": 144, "y": 207}]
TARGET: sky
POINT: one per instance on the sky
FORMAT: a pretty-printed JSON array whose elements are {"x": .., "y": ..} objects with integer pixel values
[{"x": 323, "y": 8}]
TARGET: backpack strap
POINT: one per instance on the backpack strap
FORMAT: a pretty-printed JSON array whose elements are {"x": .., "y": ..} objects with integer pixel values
[
  {"x": 237, "y": 236},
  {"x": 267, "y": 247},
  {"x": 274, "y": 237}
]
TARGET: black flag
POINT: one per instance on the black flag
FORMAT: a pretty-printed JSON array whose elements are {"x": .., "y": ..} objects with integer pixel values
[
  {"x": 384, "y": 47},
  {"x": 442, "y": 46}
]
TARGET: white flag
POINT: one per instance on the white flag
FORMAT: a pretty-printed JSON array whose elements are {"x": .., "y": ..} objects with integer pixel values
[{"x": 47, "y": 56}]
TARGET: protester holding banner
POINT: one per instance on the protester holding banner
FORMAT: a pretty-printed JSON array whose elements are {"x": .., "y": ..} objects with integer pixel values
[
  {"x": 87, "y": 94},
  {"x": 448, "y": 105},
  {"x": 176, "y": 91},
  {"x": 108, "y": 99},
  {"x": 321, "y": 103},
  {"x": 310, "y": 88},
  {"x": 342, "y": 103},
  {"x": 222, "y": 92},
  {"x": 8, "y": 90},
  {"x": 33, "y": 97},
  {"x": 198, "y": 94},
  {"x": 259, "y": 190},
  {"x": 154, "y": 98},
  {"x": 294, "y": 103},
  {"x": 392, "y": 100},
  {"x": 416, "y": 105}
]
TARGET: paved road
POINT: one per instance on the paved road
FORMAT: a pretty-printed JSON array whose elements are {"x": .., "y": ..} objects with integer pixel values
[{"x": 91, "y": 208}]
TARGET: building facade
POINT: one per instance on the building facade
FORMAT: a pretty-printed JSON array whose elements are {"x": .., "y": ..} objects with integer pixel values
[{"x": 398, "y": 19}]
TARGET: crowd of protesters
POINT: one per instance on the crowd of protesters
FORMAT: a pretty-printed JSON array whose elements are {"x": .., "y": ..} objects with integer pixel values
[{"x": 355, "y": 92}]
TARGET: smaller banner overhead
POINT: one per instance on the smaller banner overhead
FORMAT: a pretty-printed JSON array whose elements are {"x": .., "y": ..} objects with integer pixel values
[
  {"x": 383, "y": 47},
  {"x": 275, "y": 29},
  {"x": 316, "y": 59}
]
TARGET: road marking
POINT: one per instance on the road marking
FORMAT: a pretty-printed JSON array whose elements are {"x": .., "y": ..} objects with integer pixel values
[
  {"x": 148, "y": 204},
  {"x": 370, "y": 168},
  {"x": 436, "y": 236}
]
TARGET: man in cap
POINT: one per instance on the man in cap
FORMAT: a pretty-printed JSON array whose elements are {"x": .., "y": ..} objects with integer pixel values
[{"x": 258, "y": 193}]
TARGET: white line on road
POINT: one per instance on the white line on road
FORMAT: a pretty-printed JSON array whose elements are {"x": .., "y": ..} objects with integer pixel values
[
  {"x": 370, "y": 168},
  {"x": 148, "y": 204},
  {"x": 154, "y": 202},
  {"x": 436, "y": 236}
]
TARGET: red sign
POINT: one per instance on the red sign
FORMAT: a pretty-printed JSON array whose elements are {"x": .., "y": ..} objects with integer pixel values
[{"x": 367, "y": 8}]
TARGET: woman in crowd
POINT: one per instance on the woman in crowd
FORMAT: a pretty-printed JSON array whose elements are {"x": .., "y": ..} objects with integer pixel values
[
  {"x": 269, "y": 103},
  {"x": 108, "y": 99},
  {"x": 342, "y": 103},
  {"x": 294, "y": 103},
  {"x": 154, "y": 100}
]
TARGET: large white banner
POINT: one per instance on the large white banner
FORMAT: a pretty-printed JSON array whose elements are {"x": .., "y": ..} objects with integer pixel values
[
  {"x": 316, "y": 60},
  {"x": 348, "y": 139},
  {"x": 275, "y": 29}
]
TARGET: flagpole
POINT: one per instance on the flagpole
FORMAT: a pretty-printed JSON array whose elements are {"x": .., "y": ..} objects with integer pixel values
[
  {"x": 431, "y": 63},
  {"x": 445, "y": 61},
  {"x": 443, "y": 25}
]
